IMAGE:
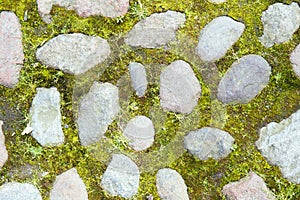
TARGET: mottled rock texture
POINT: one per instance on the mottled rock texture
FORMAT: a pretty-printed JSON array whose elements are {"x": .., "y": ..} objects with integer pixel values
[
  {"x": 3, "y": 151},
  {"x": 295, "y": 60},
  {"x": 19, "y": 191},
  {"x": 138, "y": 78}
]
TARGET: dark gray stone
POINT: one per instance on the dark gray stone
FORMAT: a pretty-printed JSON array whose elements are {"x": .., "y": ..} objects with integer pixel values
[
  {"x": 179, "y": 88},
  {"x": 73, "y": 53},
  {"x": 156, "y": 30},
  {"x": 19, "y": 191},
  {"x": 138, "y": 78},
  {"x": 295, "y": 60},
  {"x": 3, "y": 151},
  {"x": 246, "y": 78},
  {"x": 208, "y": 142}
]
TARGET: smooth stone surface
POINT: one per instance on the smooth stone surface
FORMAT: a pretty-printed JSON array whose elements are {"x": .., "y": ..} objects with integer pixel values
[
  {"x": 170, "y": 185},
  {"x": 295, "y": 60},
  {"x": 249, "y": 188},
  {"x": 156, "y": 30},
  {"x": 279, "y": 144},
  {"x": 11, "y": 49},
  {"x": 121, "y": 177},
  {"x": 217, "y": 37},
  {"x": 85, "y": 8},
  {"x": 68, "y": 186},
  {"x": 3, "y": 151},
  {"x": 140, "y": 133},
  {"x": 19, "y": 191},
  {"x": 217, "y": 1},
  {"x": 97, "y": 110},
  {"x": 138, "y": 78},
  {"x": 73, "y": 53},
  {"x": 245, "y": 79},
  {"x": 46, "y": 117},
  {"x": 179, "y": 88},
  {"x": 280, "y": 21},
  {"x": 208, "y": 143}
]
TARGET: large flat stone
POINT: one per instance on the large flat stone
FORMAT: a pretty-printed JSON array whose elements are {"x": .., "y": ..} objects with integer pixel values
[{"x": 19, "y": 191}]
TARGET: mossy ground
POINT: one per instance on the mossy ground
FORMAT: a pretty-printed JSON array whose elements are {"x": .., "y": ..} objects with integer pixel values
[{"x": 204, "y": 179}]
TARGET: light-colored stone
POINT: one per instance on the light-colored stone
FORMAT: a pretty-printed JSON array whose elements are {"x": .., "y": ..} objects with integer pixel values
[
  {"x": 156, "y": 30},
  {"x": 11, "y": 49},
  {"x": 121, "y": 177},
  {"x": 280, "y": 21},
  {"x": 19, "y": 191},
  {"x": 3, "y": 151},
  {"x": 295, "y": 60},
  {"x": 97, "y": 110},
  {"x": 217, "y": 1},
  {"x": 138, "y": 78},
  {"x": 179, "y": 88},
  {"x": 45, "y": 117},
  {"x": 217, "y": 37}
]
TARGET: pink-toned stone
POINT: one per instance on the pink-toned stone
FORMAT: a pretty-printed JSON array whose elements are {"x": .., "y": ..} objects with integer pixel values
[
  {"x": 11, "y": 49},
  {"x": 3, "y": 151},
  {"x": 248, "y": 188}
]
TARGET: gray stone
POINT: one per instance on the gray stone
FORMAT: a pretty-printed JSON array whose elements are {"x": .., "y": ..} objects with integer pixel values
[
  {"x": 46, "y": 117},
  {"x": 217, "y": 1},
  {"x": 217, "y": 37},
  {"x": 68, "y": 186},
  {"x": 156, "y": 30},
  {"x": 248, "y": 188},
  {"x": 140, "y": 133},
  {"x": 295, "y": 60},
  {"x": 179, "y": 88},
  {"x": 3, "y": 151},
  {"x": 170, "y": 185},
  {"x": 246, "y": 78},
  {"x": 208, "y": 143},
  {"x": 73, "y": 53},
  {"x": 280, "y": 21},
  {"x": 85, "y": 8},
  {"x": 138, "y": 78},
  {"x": 19, "y": 191},
  {"x": 121, "y": 177},
  {"x": 97, "y": 110},
  {"x": 11, "y": 49},
  {"x": 279, "y": 144}
]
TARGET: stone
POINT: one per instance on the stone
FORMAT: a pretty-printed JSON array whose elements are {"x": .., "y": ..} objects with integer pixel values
[
  {"x": 138, "y": 78},
  {"x": 85, "y": 8},
  {"x": 19, "y": 191},
  {"x": 248, "y": 188},
  {"x": 3, "y": 151},
  {"x": 208, "y": 143},
  {"x": 295, "y": 60},
  {"x": 157, "y": 30},
  {"x": 73, "y": 53},
  {"x": 170, "y": 185},
  {"x": 279, "y": 144},
  {"x": 97, "y": 110},
  {"x": 280, "y": 22},
  {"x": 217, "y": 1},
  {"x": 245, "y": 79},
  {"x": 140, "y": 133},
  {"x": 179, "y": 88},
  {"x": 11, "y": 49},
  {"x": 217, "y": 37},
  {"x": 121, "y": 177},
  {"x": 68, "y": 186},
  {"x": 45, "y": 117}
]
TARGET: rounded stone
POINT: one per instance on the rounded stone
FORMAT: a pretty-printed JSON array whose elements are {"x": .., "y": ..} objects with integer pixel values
[
  {"x": 295, "y": 60},
  {"x": 138, "y": 78},
  {"x": 19, "y": 191}
]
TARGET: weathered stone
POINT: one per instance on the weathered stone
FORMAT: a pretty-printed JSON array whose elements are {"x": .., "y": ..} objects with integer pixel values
[
  {"x": 208, "y": 142},
  {"x": 217, "y": 1},
  {"x": 97, "y": 110},
  {"x": 3, "y": 151},
  {"x": 19, "y": 191},
  {"x": 170, "y": 185},
  {"x": 280, "y": 21},
  {"x": 46, "y": 117},
  {"x": 140, "y": 133},
  {"x": 138, "y": 78},
  {"x": 279, "y": 144},
  {"x": 121, "y": 177},
  {"x": 156, "y": 30},
  {"x": 73, "y": 53},
  {"x": 295, "y": 60},
  {"x": 68, "y": 186},
  {"x": 246, "y": 78},
  {"x": 85, "y": 8},
  {"x": 217, "y": 37},
  {"x": 11, "y": 49},
  {"x": 179, "y": 88},
  {"x": 248, "y": 188}
]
